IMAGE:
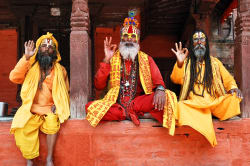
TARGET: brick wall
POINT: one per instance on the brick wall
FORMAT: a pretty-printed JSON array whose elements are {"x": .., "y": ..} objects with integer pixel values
[
  {"x": 8, "y": 59},
  {"x": 224, "y": 51},
  {"x": 222, "y": 41}
]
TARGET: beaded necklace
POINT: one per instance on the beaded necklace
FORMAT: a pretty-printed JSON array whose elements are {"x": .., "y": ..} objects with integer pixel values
[{"x": 128, "y": 85}]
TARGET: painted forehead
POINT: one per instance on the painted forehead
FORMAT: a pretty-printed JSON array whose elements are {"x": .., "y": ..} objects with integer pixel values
[
  {"x": 199, "y": 35},
  {"x": 48, "y": 42},
  {"x": 130, "y": 30}
]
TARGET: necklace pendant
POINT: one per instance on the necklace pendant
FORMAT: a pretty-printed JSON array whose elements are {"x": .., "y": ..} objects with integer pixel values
[{"x": 127, "y": 84}]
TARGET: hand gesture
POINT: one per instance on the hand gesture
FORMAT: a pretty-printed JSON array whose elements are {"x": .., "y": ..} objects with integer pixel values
[
  {"x": 237, "y": 91},
  {"x": 181, "y": 53},
  {"x": 109, "y": 49},
  {"x": 29, "y": 49}
]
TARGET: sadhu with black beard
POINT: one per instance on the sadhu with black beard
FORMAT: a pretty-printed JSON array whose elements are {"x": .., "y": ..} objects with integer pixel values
[
  {"x": 45, "y": 97},
  {"x": 207, "y": 87},
  {"x": 136, "y": 84},
  {"x": 46, "y": 56}
]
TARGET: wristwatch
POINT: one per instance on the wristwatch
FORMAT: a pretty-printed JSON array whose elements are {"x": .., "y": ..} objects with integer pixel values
[{"x": 160, "y": 87}]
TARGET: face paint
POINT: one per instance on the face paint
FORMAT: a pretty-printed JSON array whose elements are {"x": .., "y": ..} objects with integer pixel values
[
  {"x": 47, "y": 43},
  {"x": 199, "y": 36},
  {"x": 199, "y": 45},
  {"x": 130, "y": 32}
]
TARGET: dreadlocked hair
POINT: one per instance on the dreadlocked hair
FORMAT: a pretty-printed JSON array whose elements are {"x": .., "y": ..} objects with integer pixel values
[{"x": 208, "y": 76}]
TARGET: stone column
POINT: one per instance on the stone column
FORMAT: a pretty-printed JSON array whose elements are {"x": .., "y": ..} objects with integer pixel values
[
  {"x": 80, "y": 58},
  {"x": 203, "y": 15},
  {"x": 200, "y": 18},
  {"x": 242, "y": 54}
]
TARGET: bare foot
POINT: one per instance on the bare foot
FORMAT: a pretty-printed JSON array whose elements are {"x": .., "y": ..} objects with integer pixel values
[
  {"x": 29, "y": 163},
  {"x": 235, "y": 118},
  {"x": 49, "y": 162}
]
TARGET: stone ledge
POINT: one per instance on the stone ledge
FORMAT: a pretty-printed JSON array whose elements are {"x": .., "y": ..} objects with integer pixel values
[
  {"x": 124, "y": 144},
  {"x": 228, "y": 126}
]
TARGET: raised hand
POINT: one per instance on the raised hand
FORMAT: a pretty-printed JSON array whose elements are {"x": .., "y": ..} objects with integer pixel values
[
  {"x": 181, "y": 53},
  {"x": 109, "y": 49},
  {"x": 29, "y": 49}
]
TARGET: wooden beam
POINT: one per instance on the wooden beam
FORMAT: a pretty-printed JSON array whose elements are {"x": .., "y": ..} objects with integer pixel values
[
  {"x": 167, "y": 4},
  {"x": 176, "y": 9},
  {"x": 163, "y": 21}
]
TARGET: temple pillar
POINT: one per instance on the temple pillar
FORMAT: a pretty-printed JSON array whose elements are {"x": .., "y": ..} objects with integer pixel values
[
  {"x": 202, "y": 16},
  {"x": 242, "y": 54},
  {"x": 80, "y": 58}
]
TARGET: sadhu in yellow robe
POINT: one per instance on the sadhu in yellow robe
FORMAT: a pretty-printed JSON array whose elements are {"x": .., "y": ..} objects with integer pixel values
[
  {"x": 35, "y": 113},
  {"x": 196, "y": 111}
]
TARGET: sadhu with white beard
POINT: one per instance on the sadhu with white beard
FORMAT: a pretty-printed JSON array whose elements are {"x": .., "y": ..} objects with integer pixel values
[
  {"x": 207, "y": 87},
  {"x": 136, "y": 83}
]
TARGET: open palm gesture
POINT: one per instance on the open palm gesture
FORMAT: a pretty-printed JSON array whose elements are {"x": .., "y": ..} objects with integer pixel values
[
  {"x": 29, "y": 49},
  {"x": 109, "y": 49},
  {"x": 181, "y": 53}
]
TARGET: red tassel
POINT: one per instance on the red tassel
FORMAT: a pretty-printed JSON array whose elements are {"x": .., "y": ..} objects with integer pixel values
[{"x": 130, "y": 29}]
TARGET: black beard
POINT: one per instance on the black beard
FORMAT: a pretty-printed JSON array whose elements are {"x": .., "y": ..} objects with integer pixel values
[{"x": 45, "y": 60}]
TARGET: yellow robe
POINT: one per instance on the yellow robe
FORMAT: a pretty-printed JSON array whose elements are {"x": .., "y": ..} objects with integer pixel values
[
  {"x": 196, "y": 111},
  {"x": 43, "y": 99},
  {"x": 60, "y": 93}
]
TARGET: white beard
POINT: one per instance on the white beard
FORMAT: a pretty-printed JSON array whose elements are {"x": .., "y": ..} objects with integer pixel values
[{"x": 129, "y": 52}]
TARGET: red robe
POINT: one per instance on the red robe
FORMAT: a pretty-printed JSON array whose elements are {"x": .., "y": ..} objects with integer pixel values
[{"x": 141, "y": 104}]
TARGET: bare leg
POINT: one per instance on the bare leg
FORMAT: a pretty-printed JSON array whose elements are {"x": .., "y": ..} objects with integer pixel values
[
  {"x": 51, "y": 140},
  {"x": 29, "y": 163}
]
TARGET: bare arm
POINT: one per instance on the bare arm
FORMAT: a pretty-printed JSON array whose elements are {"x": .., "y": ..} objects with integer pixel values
[{"x": 17, "y": 75}]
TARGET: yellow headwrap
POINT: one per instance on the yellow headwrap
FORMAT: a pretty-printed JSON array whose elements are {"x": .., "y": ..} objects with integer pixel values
[
  {"x": 38, "y": 43},
  {"x": 29, "y": 88}
]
